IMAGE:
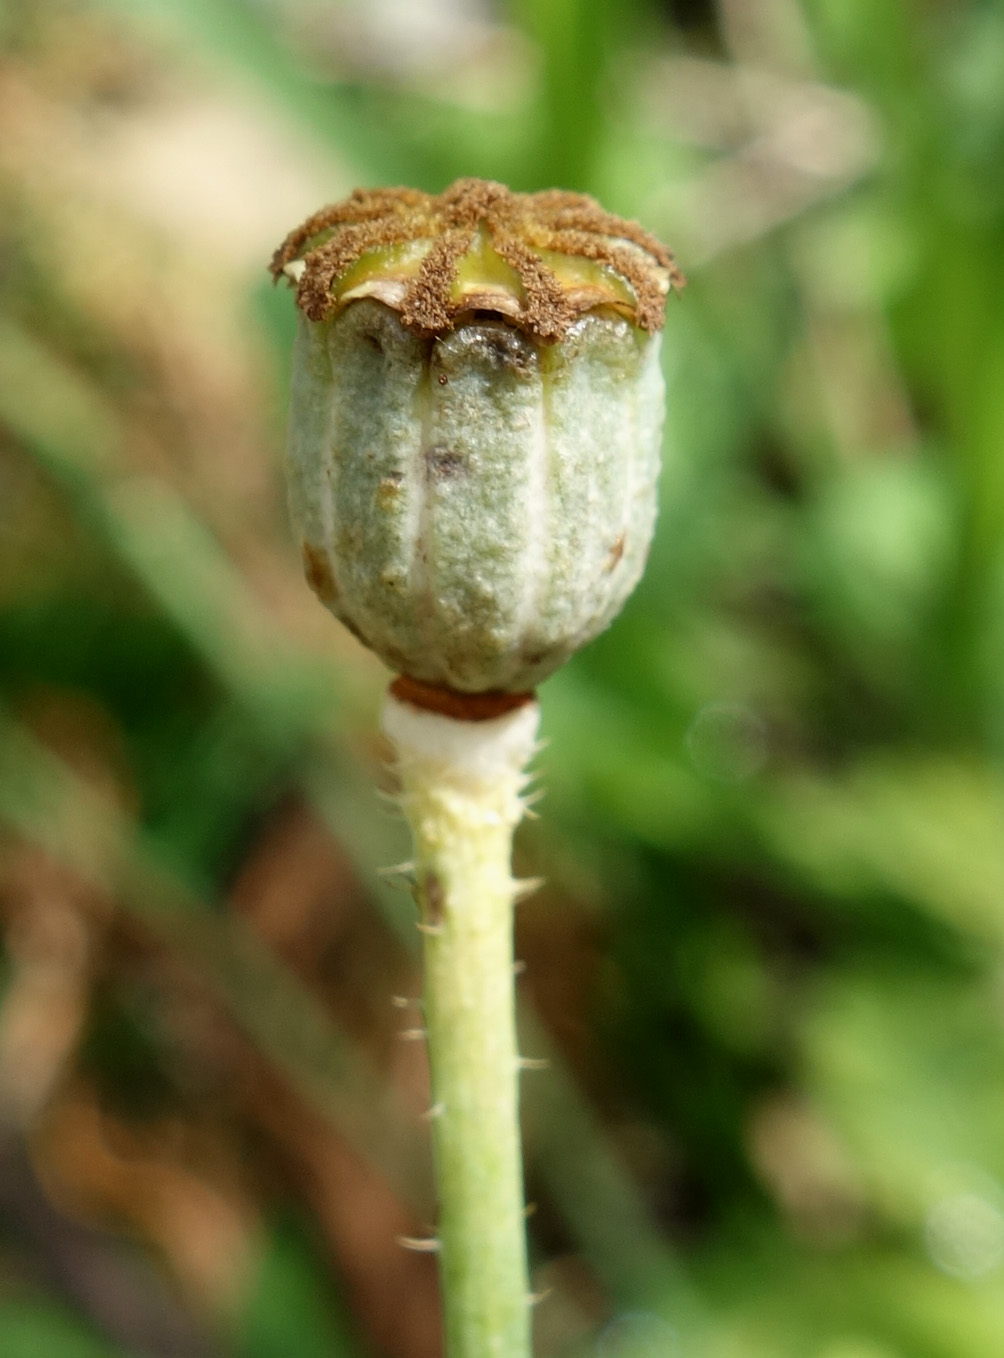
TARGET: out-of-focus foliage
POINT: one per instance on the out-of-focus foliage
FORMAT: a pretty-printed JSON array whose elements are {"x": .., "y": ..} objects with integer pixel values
[{"x": 768, "y": 961}]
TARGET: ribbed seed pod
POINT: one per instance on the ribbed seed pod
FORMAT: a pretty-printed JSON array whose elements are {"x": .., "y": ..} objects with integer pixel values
[{"x": 475, "y": 424}]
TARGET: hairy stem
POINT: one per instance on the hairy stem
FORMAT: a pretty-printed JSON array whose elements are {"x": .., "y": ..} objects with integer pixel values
[{"x": 461, "y": 783}]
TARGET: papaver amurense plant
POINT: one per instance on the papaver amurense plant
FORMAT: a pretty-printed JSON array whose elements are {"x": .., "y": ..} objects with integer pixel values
[{"x": 475, "y": 434}]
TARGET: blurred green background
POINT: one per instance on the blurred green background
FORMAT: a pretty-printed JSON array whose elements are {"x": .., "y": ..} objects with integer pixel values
[{"x": 768, "y": 963}]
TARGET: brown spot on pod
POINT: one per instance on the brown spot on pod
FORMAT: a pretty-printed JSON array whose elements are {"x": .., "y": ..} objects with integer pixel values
[
  {"x": 318, "y": 572},
  {"x": 506, "y": 348},
  {"x": 389, "y": 490},
  {"x": 444, "y": 463}
]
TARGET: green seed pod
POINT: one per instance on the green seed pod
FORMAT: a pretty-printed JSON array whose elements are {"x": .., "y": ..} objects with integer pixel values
[{"x": 476, "y": 421}]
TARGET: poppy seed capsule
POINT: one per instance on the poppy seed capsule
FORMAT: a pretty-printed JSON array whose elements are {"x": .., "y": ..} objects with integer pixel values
[{"x": 475, "y": 423}]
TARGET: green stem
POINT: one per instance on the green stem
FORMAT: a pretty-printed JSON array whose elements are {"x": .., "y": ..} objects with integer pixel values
[{"x": 461, "y": 784}]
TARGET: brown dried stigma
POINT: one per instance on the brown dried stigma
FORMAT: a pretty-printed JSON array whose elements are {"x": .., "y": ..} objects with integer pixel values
[{"x": 521, "y": 230}]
